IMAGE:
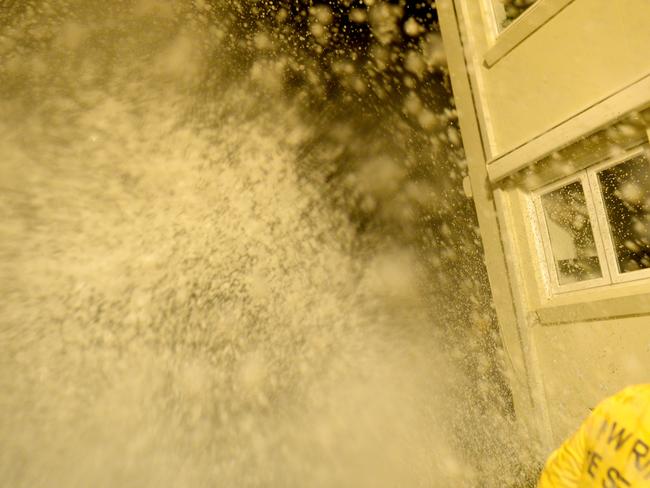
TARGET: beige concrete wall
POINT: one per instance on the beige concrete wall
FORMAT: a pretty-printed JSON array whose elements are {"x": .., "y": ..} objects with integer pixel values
[
  {"x": 588, "y": 51},
  {"x": 582, "y": 363}
]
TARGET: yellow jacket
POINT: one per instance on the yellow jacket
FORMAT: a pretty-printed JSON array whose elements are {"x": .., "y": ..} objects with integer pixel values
[{"x": 610, "y": 450}]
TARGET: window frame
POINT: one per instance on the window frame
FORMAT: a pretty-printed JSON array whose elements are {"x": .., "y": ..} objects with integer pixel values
[
  {"x": 548, "y": 258},
  {"x": 601, "y": 229},
  {"x": 603, "y": 220}
]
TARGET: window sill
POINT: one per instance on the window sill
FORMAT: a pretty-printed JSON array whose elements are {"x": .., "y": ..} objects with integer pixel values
[
  {"x": 521, "y": 28},
  {"x": 607, "y": 302}
]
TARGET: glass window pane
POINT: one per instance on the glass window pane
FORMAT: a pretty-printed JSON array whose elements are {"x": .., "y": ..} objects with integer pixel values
[
  {"x": 626, "y": 194},
  {"x": 572, "y": 239}
]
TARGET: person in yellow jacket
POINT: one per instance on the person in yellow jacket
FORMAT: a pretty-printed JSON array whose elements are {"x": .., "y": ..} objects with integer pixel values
[{"x": 610, "y": 450}]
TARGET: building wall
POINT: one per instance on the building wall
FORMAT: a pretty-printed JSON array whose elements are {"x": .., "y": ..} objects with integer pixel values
[
  {"x": 586, "y": 344},
  {"x": 588, "y": 51},
  {"x": 581, "y": 363},
  {"x": 567, "y": 352}
]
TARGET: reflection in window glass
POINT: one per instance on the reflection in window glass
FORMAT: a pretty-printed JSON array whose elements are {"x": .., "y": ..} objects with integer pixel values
[
  {"x": 505, "y": 11},
  {"x": 626, "y": 194},
  {"x": 572, "y": 239}
]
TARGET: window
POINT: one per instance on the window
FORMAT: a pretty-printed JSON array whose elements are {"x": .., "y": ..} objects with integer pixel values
[
  {"x": 624, "y": 211},
  {"x": 595, "y": 225}
]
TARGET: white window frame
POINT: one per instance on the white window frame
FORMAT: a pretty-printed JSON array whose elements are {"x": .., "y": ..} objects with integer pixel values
[
  {"x": 600, "y": 227},
  {"x": 549, "y": 258},
  {"x": 603, "y": 220}
]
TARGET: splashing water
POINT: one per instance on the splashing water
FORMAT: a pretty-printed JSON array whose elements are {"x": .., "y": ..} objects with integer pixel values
[{"x": 180, "y": 306}]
